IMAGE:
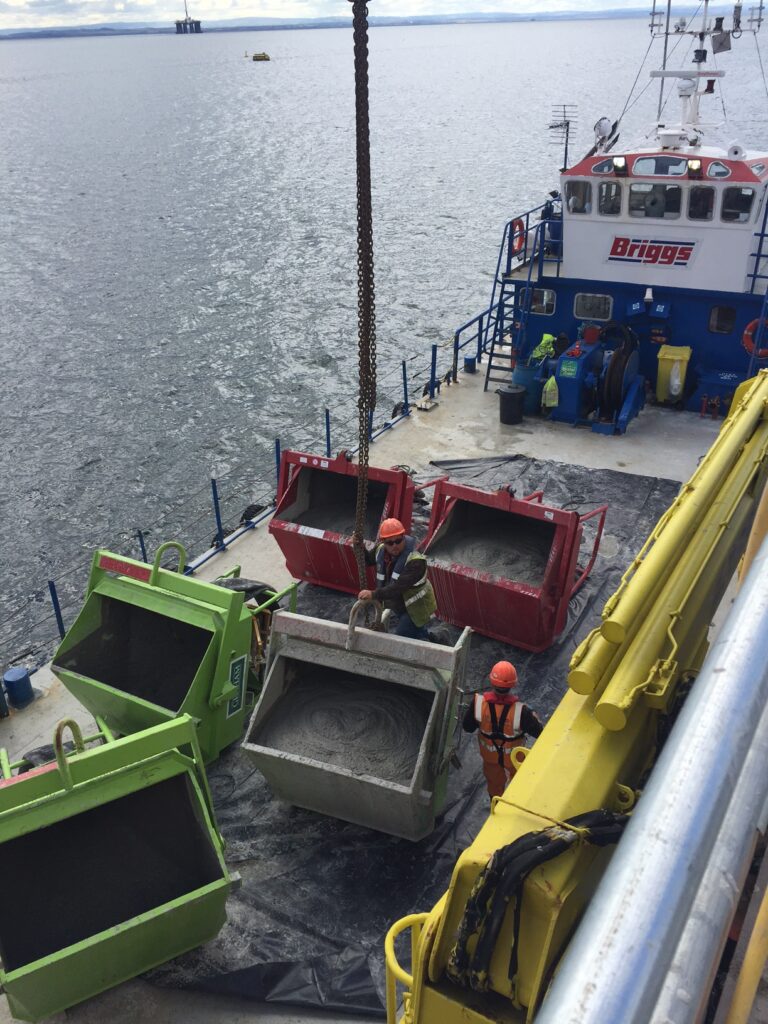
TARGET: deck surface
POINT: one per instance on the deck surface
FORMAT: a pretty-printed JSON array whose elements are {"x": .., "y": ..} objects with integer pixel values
[{"x": 463, "y": 424}]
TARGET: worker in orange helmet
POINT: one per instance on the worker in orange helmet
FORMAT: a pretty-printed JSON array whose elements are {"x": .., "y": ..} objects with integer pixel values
[
  {"x": 401, "y": 580},
  {"x": 503, "y": 721}
]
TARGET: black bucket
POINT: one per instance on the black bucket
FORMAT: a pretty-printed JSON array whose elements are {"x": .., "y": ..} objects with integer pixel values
[{"x": 511, "y": 398}]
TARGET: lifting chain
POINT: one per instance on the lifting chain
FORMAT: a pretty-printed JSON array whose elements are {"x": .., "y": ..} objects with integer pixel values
[{"x": 366, "y": 306}]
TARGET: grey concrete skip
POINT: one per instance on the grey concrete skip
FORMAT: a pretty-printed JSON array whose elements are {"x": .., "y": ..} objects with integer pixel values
[{"x": 364, "y": 734}]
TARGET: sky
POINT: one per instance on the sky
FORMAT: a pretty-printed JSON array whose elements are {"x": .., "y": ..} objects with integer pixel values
[{"x": 17, "y": 14}]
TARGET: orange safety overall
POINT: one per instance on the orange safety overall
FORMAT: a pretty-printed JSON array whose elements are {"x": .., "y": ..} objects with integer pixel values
[{"x": 499, "y": 720}]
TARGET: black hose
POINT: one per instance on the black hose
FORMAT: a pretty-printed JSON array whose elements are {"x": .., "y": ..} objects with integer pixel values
[{"x": 503, "y": 878}]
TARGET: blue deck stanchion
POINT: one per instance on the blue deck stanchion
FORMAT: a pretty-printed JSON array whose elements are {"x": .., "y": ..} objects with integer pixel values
[
  {"x": 433, "y": 373},
  {"x": 328, "y": 433},
  {"x": 56, "y": 607},
  {"x": 406, "y": 404},
  {"x": 142, "y": 545},
  {"x": 217, "y": 514},
  {"x": 277, "y": 459}
]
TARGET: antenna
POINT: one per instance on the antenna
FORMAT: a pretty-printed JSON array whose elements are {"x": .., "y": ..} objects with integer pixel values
[{"x": 563, "y": 119}]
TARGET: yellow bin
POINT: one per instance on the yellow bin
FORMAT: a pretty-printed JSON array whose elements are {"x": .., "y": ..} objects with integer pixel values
[{"x": 673, "y": 366}]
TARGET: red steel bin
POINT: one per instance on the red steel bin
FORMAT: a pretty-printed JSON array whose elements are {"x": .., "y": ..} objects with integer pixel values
[
  {"x": 505, "y": 566},
  {"x": 315, "y": 515}
]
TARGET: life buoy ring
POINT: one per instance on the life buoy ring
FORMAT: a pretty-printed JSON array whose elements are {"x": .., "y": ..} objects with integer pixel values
[
  {"x": 518, "y": 236},
  {"x": 748, "y": 338}
]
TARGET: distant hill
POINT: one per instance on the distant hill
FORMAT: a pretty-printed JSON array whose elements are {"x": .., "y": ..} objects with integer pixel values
[{"x": 281, "y": 24}]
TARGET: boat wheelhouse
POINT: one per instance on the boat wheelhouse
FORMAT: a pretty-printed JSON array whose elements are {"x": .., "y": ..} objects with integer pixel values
[{"x": 646, "y": 257}]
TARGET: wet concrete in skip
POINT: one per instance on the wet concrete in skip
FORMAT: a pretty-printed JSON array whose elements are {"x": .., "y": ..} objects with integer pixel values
[{"x": 368, "y": 726}]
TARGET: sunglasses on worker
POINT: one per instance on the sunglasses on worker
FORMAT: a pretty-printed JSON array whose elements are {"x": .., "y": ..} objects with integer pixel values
[{"x": 393, "y": 542}]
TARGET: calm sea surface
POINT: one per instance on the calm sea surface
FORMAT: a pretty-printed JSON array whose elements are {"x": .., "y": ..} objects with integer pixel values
[{"x": 177, "y": 252}]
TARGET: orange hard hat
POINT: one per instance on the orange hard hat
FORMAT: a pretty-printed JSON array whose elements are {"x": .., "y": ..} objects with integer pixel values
[
  {"x": 391, "y": 528},
  {"x": 503, "y": 675}
]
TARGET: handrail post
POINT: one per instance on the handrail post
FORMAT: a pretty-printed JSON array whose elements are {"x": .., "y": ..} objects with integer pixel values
[
  {"x": 217, "y": 515},
  {"x": 328, "y": 433},
  {"x": 277, "y": 459},
  {"x": 433, "y": 373},
  {"x": 142, "y": 545},
  {"x": 455, "y": 373},
  {"x": 406, "y": 404},
  {"x": 508, "y": 243},
  {"x": 56, "y": 608},
  {"x": 480, "y": 337}
]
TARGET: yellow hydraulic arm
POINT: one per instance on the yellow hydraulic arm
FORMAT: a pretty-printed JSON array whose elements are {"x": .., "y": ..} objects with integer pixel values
[{"x": 487, "y": 950}]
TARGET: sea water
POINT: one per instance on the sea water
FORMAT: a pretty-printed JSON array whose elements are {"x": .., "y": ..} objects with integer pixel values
[{"x": 177, "y": 246}]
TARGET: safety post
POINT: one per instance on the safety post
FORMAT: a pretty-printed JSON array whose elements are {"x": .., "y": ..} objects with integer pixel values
[
  {"x": 480, "y": 329},
  {"x": 510, "y": 239},
  {"x": 328, "y": 432},
  {"x": 142, "y": 545},
  {"x": 217, "y": 513},
  {"x": 433, "y": 373},
  {"x": 370, "y": 425},
  {"x": 56, "y": 607},
  {"x": 277, "y": 459},
  {"x": 455, "y": 373},
  {"x": 406, "y": 404}
]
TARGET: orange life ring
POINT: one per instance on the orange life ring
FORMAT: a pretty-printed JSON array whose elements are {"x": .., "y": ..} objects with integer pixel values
[
  {"x": 748, "y": 338},
  {"x": 517, "y": 240}
]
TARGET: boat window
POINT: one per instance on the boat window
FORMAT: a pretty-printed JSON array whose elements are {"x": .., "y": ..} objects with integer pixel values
[
  {"x": 654, "y": 200},
  {"x": 578, "y": 196},
  {"x": 609, "y": 198},
  {"x": 717, "y": 169},
  {"x": 722, "y": 319},
  {"x": 737, "y": 204},
  {"x": 758, "y": 169},
  {"x": 592, "y": 307},
  {"x": 603, "y": 167},
  {"x": 701, "y": 202},
  {"x": 655, "y": 166},
  {"x": 543, "y": 301}
]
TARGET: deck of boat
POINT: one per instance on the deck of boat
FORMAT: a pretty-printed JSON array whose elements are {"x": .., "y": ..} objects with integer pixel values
[{"x": 464, "y": 424}]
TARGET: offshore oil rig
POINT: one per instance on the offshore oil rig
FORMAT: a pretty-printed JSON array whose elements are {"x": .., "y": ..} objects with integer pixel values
[{"x": 187, "y": 25}]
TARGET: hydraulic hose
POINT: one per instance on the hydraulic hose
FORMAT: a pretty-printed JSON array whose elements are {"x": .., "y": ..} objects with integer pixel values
[{"x": 502, "y": 880}]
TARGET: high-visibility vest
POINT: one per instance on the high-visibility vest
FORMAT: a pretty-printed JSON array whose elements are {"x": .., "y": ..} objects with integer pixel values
[
  {"x": 550, "y": 393},
  {"x": 419, "y": 599},
  {"x": 500, "y": 721}
]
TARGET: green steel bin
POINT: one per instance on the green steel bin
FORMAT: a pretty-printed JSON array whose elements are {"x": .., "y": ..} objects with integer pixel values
[
  {"x": 112, "y": 864},
  {"x": 150, "y": 644}
]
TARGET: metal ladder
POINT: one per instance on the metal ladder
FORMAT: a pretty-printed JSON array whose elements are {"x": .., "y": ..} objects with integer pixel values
[
  {"x": 501, "y": 326},
  {"x": 509, "y": 319}
]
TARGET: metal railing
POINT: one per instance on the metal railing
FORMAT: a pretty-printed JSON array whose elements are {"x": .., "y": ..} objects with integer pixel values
[
  {"x": 397, "y": 974},
  {"x": 29, "y": 635}
]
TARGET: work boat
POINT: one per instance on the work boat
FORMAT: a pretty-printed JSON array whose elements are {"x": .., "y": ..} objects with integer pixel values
[
  {"x": 659, "y": 253},
  {"x": 619, "y": 875}
]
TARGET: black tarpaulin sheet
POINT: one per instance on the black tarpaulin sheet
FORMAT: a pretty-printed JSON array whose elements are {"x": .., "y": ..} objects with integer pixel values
[{"x": 318, "y": 895}]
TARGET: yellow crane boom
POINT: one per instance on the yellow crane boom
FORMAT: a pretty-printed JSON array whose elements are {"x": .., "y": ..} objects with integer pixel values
[{"x": 487, "y": 951}]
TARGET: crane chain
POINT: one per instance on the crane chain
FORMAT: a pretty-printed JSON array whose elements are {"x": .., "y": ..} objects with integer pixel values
[{"x": 366, "y": 305}]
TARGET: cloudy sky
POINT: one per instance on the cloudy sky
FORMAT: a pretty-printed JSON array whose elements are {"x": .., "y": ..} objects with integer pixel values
[{"x": 16, "y": 14}]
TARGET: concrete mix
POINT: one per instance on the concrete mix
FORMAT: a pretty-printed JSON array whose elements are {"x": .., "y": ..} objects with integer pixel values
[
  {"x": 518, "y": 555},
  {"x": 367, "y": 726}
]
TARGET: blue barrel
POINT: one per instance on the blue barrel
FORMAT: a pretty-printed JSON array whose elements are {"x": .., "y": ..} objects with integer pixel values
[
  {"x": 526, "y": 376},
  {"x": 470, "y": 364},
  {"x": 18, "y": 686}
]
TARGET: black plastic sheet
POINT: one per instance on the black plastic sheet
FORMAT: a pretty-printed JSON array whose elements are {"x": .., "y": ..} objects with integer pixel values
[{"x": 318, "y": 895}]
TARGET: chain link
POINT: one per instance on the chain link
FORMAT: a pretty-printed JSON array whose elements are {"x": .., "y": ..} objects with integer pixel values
[{"x": 366, "y": 305}]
